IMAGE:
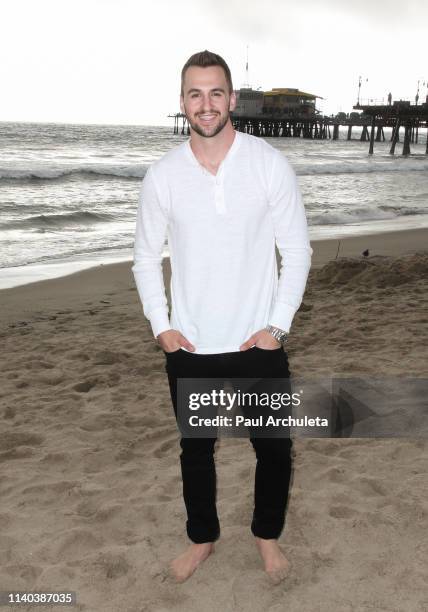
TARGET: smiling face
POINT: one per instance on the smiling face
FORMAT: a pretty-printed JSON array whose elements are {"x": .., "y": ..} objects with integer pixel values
[{"x": 206, "y": 100}]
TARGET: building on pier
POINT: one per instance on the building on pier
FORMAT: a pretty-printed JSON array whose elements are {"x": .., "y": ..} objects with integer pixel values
[
  {"x": 289, "y": 102},
  {"x": 249, "y": 102},
  {"x": 277, "y": 103}
]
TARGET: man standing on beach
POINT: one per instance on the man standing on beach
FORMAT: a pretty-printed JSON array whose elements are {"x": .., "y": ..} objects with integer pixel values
[{"x": 223, "y": 198}]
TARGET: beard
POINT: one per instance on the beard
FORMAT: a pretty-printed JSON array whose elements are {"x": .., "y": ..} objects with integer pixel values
[{"x": 207, "y": 132}]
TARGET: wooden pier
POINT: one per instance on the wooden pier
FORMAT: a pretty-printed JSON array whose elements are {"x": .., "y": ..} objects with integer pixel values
[
  {"x": 315, "y": 127},
  {"x": 397, "y": 115}
]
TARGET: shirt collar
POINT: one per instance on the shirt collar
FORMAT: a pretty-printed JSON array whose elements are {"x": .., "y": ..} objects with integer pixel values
[{"x": 231, "y": 152}]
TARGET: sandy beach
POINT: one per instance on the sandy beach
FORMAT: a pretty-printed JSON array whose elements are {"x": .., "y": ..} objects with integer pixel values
[{"x": 89, "y": 471}]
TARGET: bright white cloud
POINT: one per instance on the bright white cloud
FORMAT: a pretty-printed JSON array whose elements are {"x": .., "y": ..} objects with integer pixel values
[{"x": 119, "y": 61}]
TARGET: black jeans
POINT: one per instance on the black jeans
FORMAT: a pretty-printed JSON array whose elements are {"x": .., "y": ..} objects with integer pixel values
[{"x": 274, "y": 462}]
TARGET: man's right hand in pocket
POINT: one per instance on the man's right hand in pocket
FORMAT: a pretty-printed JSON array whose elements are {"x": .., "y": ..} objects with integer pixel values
[{"x": 172, "y": 340}]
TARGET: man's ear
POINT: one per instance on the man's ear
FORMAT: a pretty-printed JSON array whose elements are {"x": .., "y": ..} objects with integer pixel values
[
  {"x": 182, "y": 104},
  {"x": 232, "y": 101}
]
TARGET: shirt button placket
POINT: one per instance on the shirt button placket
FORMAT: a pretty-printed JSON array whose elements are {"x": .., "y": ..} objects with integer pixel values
[{"x": 219, "y": 195}]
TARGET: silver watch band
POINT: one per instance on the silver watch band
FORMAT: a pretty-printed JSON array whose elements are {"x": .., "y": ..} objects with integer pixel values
[{"x": 277, "y": 333}]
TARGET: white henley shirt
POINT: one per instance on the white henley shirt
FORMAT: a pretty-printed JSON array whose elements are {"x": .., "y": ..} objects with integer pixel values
[{"x": 221, "y": 234}]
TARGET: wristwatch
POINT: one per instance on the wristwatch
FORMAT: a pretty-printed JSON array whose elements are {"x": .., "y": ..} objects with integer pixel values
[{"x": 277, "y": 333}]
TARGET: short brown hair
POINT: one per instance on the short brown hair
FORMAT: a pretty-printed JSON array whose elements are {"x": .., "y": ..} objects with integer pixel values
[{"x": 204, "y": 59}]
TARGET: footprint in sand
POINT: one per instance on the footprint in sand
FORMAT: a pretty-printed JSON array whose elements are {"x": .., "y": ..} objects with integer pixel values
[
  {"x": 77, "y": 543},
  {"x": 25, "y": 572},
  {"x": 348, "y": 453},
  {"x": 85, "y": 386},
  {"x": 370, "y": 486},
  {"x": 55, "y": 575},
  {"x": 112, "y": 566},
  {"x": 6, "y": 519},
  {"x": 45, "y": 492},
  {"x": 21, "y": 384},
  {"x": 51, "y": 377},
  {"x": 164, "y": 448},
  {"x": 54, "y": 458},
  {"x": 379, "y": 519},
  {"x": 150, "y": 512},
  {"x": 107, "y": 512},
  {"x": 79, "y": 355},
  {"x": 23, "y": 452},
  {"x": 87, "y": 507},
  {"x": 12, "y": 439},
  {"x": 107, "y": 358},
  {"x": 336, "y": 475},
  {"x": 12, "y": 375},
  {"x": 245, "y": 473},
  {"x": 163, "y": 498},
  {"x": 342, "y": 512},
  {"x": 7, "y": 545},
  {"x": 124, "y": 455}
]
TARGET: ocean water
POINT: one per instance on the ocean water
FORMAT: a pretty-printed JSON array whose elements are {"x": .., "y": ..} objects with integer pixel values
[{"x": 69, "y": 193}]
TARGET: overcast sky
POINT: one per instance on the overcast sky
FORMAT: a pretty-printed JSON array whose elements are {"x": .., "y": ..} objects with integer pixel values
[{"x": 119, "y": 61}]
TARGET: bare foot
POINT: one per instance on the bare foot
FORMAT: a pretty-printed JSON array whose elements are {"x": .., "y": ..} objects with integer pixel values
[
  {"x": 276, "y": 565},
  {"x": 183, "y": 566}
]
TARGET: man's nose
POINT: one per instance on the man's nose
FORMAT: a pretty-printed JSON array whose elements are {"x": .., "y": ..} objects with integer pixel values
[{"x": 206, "y": 102}]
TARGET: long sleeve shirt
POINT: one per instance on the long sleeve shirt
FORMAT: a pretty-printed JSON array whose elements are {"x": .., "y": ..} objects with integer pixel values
[{"x": 221, "y": 232}]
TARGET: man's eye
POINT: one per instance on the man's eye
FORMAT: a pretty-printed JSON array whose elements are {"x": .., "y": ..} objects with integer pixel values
[{"x": 194, "y": 95}]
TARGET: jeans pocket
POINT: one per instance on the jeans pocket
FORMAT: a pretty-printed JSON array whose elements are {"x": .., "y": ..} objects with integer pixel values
[
  {"x": 268, "y": 350},
  {"x": 172, "y": 352}
]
